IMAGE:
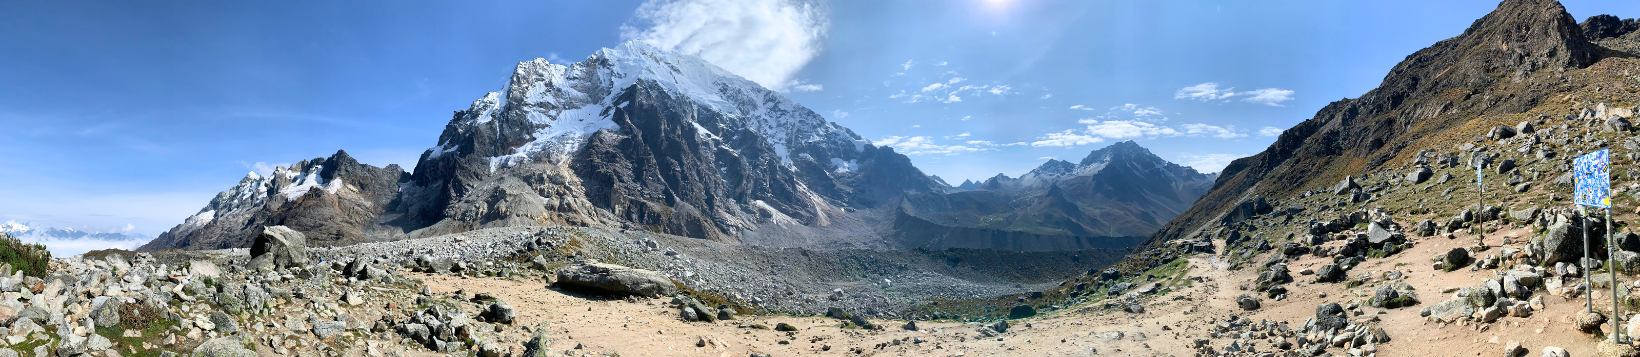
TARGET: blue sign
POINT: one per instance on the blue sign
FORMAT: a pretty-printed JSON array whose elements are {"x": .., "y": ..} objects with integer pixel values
[{"x": 1593, "y": 173}]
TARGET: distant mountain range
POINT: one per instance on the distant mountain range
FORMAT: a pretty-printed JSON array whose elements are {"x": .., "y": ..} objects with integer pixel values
[
  {"x": 32, "y": 232},
  {"x": 640, "y": 138}
]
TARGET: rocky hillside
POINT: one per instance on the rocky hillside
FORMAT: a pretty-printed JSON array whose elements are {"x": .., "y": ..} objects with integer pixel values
[
  {"x": 1107, "y": 200},
  {"x": 1521, "y": 60}
]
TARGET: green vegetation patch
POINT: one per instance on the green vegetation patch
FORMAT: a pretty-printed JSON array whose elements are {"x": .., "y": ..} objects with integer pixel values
[{"x": 31, "y": 258}]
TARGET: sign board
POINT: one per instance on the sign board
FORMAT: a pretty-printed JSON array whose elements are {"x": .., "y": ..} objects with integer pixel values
[{"x": 1593, "y": 173}]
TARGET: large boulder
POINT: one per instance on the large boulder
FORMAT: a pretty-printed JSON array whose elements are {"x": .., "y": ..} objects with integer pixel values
[
  {"x": 611, "y": 278},
  {"x": 1501, "y": 132},
  {"x": 1563, "y": 241},
  {"x": 277, "y": 248},
  {"x": 1345, "y": 186},
  {"x": 1419, "y": 175},
  {"x": 106, "y": 313},
  {"x": 1377, "y": 235},
  {"x": 229, "y": 346}
]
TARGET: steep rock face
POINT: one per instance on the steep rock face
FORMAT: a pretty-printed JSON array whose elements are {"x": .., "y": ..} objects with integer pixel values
[
  {"x": 333, "y": 200},
  {"x": 1506, "y": 62},
  {"x": 659, "y": 141},
  {"x": 631, "y": 137},
  {"x": 1113, "y": 194}
]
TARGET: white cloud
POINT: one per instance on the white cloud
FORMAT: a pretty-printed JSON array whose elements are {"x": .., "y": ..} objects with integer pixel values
[
  {"x": 1082, "y": 107},
  {"x": 916, "y": 126},
  {"x": 1210, "y": 92},
  {"x": 766, "y": 41},
  {"x": 1198, "y": 129},
  {"x": 941, "y": 64},
  {"x": 839, "y": 114},
  {"x": 1046, "y": 96},
  {"x": 262, "y": 168},
  {"x": 1270, "y": 131},
  {"x": 963, "y": 135},
  {"x": 934, "y": 87},
  {"x": 922, "y": 145},
  {"x": 1000, "y": 90},
  {"x": 1047, "y": 158},
  {"x": 1066, "y": 138},
  {"x": 554, "y": 58},
  {"x": 951, "y": 98},
  {"x": 799, "y": 87},
  {"x": 1268, "y": 96},
  {"x": 956, "y": 80},
  {"x": 966, "y": 117},
  {"x": 1208, "y": 162},
  {"x": 906, "y": 66},
  {"x": 1124, "y": 129},
  {"x": 1204, "y": 92}
]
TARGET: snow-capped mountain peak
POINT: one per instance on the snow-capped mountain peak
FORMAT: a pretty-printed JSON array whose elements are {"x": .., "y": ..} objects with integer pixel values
[{"x": 563, "y": 104}]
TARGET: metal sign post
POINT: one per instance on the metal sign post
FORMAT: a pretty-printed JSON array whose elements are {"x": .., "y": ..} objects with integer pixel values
[
  {"x": 1593, "y": 189},
  {"x": 1480, "y": 211}
]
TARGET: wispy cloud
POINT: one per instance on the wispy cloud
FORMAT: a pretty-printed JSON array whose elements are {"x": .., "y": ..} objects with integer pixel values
[
  {"x": 1210, "y": 91},
  {"x": 1208, "y": 162},
  {"x": 788, "y": 35},
  {"x": 907, "y": 65},
  {"x": 1066, "y": 138},
  {"x": 1270, "y": 131},
  {"x": 1131, "y": 121},
  {"x": 1046, "y": 96},
  {"x": 1268, "y": 96},
  {"x": 923, "y": 145},
  {"x": 1198, "y": 129},
  {"x": 262, "y": 168},
  {"x": 839, "y": 114},
  {"x": 1204, "y": 92},
  {"x": 1081, "y": 107}
]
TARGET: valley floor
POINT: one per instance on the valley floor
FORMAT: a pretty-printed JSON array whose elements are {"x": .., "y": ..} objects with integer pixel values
[{"x": 1170, "y": 326}]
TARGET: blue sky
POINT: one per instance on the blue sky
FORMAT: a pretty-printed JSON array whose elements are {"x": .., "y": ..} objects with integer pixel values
[{"x": 118, "y": 115}]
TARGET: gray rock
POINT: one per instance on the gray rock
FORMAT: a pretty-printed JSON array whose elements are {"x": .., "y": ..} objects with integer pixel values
[
  {"x": 278, "y": 248},
  {"x": 1506, "y": 165},
  {"x": 1384, "y": 297},
  {"x": 1553, "y": 351},
  {"x": 1501, "y": 132},
  {"x": 1525, "y": 128},
  {"x": 1247, "y": 302},
  {"x": 106, "y": 313},
  {"x": 203, "y": 268},
  {"x": 228, "y": 346},
  {"x": 540, "y": 344},
  {"x": 1562, "y": 242},
  {"x": 1345, "y": 186},
  {"x": 1524, "y": 214},
  {"x": 616, "y": 279},
  {"x": 1329, "y": 273},
  {"x": 860, "y": 320},
  {"x": 1021, "y": 311},
  {"x": 225, "y": 325},
  {"x": 1377, "y": 235},
  {"x": 1618, "y": 124},
  {"x": 689, "y": 314},
  {"x": 1589, "y": 322},
  {"x": 1419, "y": 175},
  {"x": 500, "y": 312},
  {"x": 97, "y": 342},
  {"x": 1455, "y": 258},
  {"x": 1448, "y": 311},
  {"x": 1627, "y": 261},
  {"x": 325, "y": 329}
]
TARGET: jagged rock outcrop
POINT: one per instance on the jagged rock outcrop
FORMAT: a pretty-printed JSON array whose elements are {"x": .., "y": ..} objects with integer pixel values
[{"x": 334, "y": 201}]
